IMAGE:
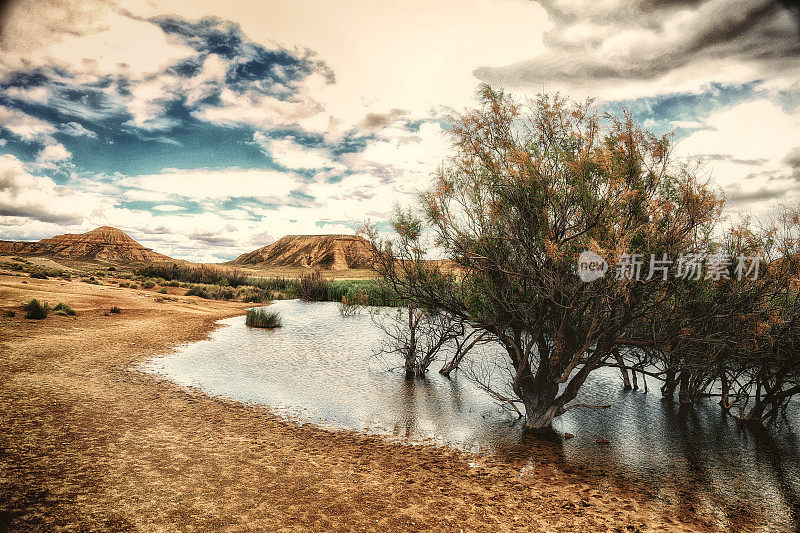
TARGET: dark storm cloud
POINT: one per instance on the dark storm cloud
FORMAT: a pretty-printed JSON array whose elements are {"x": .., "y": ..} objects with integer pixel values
[{"x": 759, "y": 31}]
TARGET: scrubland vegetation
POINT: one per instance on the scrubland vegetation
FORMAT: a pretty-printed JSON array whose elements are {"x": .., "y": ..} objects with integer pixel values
[
  {"x": 232, "y": 284},
  {"x": 37, "y": 310}
]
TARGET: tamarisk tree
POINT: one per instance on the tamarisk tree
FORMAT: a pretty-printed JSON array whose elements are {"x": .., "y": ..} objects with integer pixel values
[{"x": 526, "y": 189}]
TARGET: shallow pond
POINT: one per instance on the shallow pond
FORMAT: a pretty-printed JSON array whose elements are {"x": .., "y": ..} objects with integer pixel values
[{"x": 320, "y": 367}]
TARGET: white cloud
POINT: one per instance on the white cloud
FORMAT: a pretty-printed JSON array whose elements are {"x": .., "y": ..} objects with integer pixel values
[
  {"x": 24, "y": 126},
  {"x": 53, "y": 153},
  {"x": 169, "y": 208},
  {"x": 89, "y": 37},
  {"x": 40, "y": 198},
  {"x": 409, "y": 61},
  {"x": 76, "y": 130},
  {"x": 37, "y": 95},
  {"x": 289, "y": 154},
  {"x": 212, "y": 184},
  {"x": 746, "y": 148},
  {"x": 258, "y": 110}
]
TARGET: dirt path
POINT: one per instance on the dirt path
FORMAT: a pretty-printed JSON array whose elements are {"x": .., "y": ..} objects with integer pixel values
[{"x": 86, "y": 444}]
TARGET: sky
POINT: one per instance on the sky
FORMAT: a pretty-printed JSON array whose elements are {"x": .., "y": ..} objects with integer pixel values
[{"x": 207, "y": 129}]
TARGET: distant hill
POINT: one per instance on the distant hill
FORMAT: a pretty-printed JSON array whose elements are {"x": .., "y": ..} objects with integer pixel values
[
  {"x": 105, "y": 243},
  {"x": 328, "y": 252}
]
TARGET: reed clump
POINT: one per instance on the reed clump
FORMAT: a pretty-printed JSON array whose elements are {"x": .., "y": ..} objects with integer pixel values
[{"x": 263, "y": 318}]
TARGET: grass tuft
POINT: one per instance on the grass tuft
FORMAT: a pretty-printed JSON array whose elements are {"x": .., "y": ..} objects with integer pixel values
[
  {"x": 63, "y": 309},
  {"x": 36, "y": 310},
  {"x": 115, "y": 310},
  {"x": 263, "y": 318}
]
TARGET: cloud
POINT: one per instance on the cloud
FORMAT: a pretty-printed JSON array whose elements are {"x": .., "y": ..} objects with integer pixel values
[
  {"x": 39, "y": 198},
  {"x": 214, "y": 239},
  {"x": 621, "y": 48},
  {"x": 185, "y": 106},
  {"x": 373, "y": 121},
  {"x": 53, "y": 153},
  {"x": 793, "y": 158},
  {"x": 212, "y": 184},
  {"x": 25, "y": 127},
  {"x": 287, "y": 153},
  {"x": 76, "y": 130},
  {"x": 752, "y": 164}
]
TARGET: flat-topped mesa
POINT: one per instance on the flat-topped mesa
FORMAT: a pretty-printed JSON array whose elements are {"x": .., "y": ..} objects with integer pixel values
[
  {"x": 104, "y": 243},
  {"x": 329, "y": 252}
]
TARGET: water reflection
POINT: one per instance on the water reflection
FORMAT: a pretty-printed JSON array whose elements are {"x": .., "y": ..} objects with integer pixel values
[{"x": 320, "y": 367}]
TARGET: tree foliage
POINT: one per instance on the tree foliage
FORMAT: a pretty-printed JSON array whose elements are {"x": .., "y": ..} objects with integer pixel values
[{"x": 528, "y": 187}]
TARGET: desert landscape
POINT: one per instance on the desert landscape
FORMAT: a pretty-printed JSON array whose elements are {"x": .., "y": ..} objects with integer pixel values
[
  {"x": 483, "y": 265},
  {"x": 90, "y": 442}
]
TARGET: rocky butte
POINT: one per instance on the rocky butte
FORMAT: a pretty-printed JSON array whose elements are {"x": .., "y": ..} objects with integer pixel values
[
  {"x": 104, "y": 243},
  {"x": 329, "y": 252}
]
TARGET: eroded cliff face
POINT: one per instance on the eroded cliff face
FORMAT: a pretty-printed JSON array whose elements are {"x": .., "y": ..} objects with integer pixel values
[
  {"x": 105, "y": 243},
  {"x": 329, "y": 252}
]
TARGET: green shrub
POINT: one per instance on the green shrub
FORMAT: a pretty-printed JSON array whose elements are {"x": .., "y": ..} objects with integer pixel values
[
  {"x": 148, "y": 284},
  {"x": 198, "y": 290},
  {"x": 163, "y": 290},
  {"x": 124, "y": 284},
  {"x": 204, "y": 274},
  {"x": 263, "y": 318},
  {"x": 212, "y": 292},
  {"x": 112, "y": 269},
  {"x": 63, "y": 309},
  {"x": 36, "y": 310},
  {"x": 115, "y": 310},
  {"x": 252, "y": 294},
  {"x": 38, "y": 274},
  {"x": 11, "y": 314},
  {"x": 313, "y": 287}
]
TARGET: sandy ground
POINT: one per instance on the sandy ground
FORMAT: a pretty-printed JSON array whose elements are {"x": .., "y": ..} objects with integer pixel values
[{"x": 88, "y": 444}]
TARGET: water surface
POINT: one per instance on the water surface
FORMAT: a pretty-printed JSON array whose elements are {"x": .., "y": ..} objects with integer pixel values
[{"x": 320, "y": 367}]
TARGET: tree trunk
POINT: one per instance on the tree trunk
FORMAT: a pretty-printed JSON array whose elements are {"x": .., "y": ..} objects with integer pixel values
[
  {"x": 411, "y": 354},
  {"x": 449, "y": 367},
  {"x": 626, "y": 382},
  {"x": 724, "y": 400},
  {"x": 539, "y": 399},
  {"x": 684, "y": 393},
  {"x": 668, "y": 389}
]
